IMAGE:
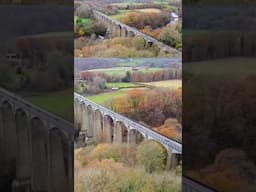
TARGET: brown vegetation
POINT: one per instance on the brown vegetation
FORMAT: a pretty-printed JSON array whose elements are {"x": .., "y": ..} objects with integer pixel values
[
  {"x": 119, "y": 47},
  {"x": 171, "y": 128},
  {"x": 105, "y": 168}
]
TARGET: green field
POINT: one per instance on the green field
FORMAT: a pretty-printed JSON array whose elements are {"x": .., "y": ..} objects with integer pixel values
[
  {"x": 121, "y": 14},
  {"x": 121, "y": 71},
  {"x": 85, "y": 21},
  {"x": 104, "y": 97},
  {"x": 231, "y": 67},
  {"x": 121, "y": 85},
  {"x": 59, "y": 103},
  {"x": 130, "y": 2},
  {"x": 172, "y": 84}
]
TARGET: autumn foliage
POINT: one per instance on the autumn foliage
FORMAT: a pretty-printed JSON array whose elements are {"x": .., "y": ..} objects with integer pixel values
[
  {"x": 140, "y": 20},
  {"x": 150, "y": 106}
]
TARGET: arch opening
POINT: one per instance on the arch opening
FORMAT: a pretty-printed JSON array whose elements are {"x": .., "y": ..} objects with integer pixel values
[{"x": 108, "y": 129}]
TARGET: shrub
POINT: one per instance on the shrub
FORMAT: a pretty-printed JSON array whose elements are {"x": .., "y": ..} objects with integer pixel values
[
  {"x": 102, "y": 176},
  {"x": 116, "y": 152}
]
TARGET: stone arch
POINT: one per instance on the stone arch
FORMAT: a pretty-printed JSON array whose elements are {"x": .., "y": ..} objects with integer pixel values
[
  {"x": 84, "y": 117},
  {"x": 120, "y": 132},
  {"x": 139, "y": 137},
  {"x": 40, "y": 152},
  {"x": 8, "y": 139},
  {"x": 59, "y": 161},
  {"x": 77, "y": 114},
  {"x": 149, "y": 44},
  {"x": 123, "y": 32},
  {"x": 98, "y": 126},
  {"x": 90, "y": 123},
  {"x": 23, "y": 158},
  {"x": 131, "y": 34},
  {"x": 108, "y": 129},
  {"x": 119, "y": 30}
]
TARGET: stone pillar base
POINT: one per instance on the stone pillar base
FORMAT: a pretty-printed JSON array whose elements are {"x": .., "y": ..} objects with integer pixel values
[
  {"x": 81, "y": 140},
  {"x": 21, "y": 186},
  {"x": 172, "y": 161}
]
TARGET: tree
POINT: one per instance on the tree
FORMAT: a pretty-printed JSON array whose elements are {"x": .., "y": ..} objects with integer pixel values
[
  {"x": 127, "y": 77},
  {"x": 84, "y": 11},
  {"x": 171, "y": 35},
  {"x": 151, "y": 155}
]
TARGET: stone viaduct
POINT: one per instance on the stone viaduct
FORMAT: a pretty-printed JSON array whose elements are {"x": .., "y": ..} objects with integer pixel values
[
  {"x": 99, "y": 124},
  {"x": 116, "y": 28},
  {"x": 36, "y": 148}
]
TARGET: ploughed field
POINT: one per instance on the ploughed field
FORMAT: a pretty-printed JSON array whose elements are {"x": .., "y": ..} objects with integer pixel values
[{"x": 173, "y": 84}]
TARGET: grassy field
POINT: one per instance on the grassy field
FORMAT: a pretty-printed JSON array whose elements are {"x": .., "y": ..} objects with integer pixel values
[
  {"x": 232, "y": 67},
  {"x": 172, "y": 84},
  {"x": 122, "y": 85},
  {"x": 121, "y": 71},
  {"x": 59, "y": 103},
  {"x": 149, "y": 10},
  {"x": 104, "y": 97},
  {"x": 125, "y": 4},
  {"x": 123, "y": 13}
]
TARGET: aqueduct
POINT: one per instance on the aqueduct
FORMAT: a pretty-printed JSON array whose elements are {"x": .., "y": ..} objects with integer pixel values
[
  {"x": 36, "y": 148},
  {"x": 98, "y": 123},
  {"x": 116, "y": 28}
]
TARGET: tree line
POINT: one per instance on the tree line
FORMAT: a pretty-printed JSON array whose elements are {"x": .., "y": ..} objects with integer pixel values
[{"x": 134, "y": 76}]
